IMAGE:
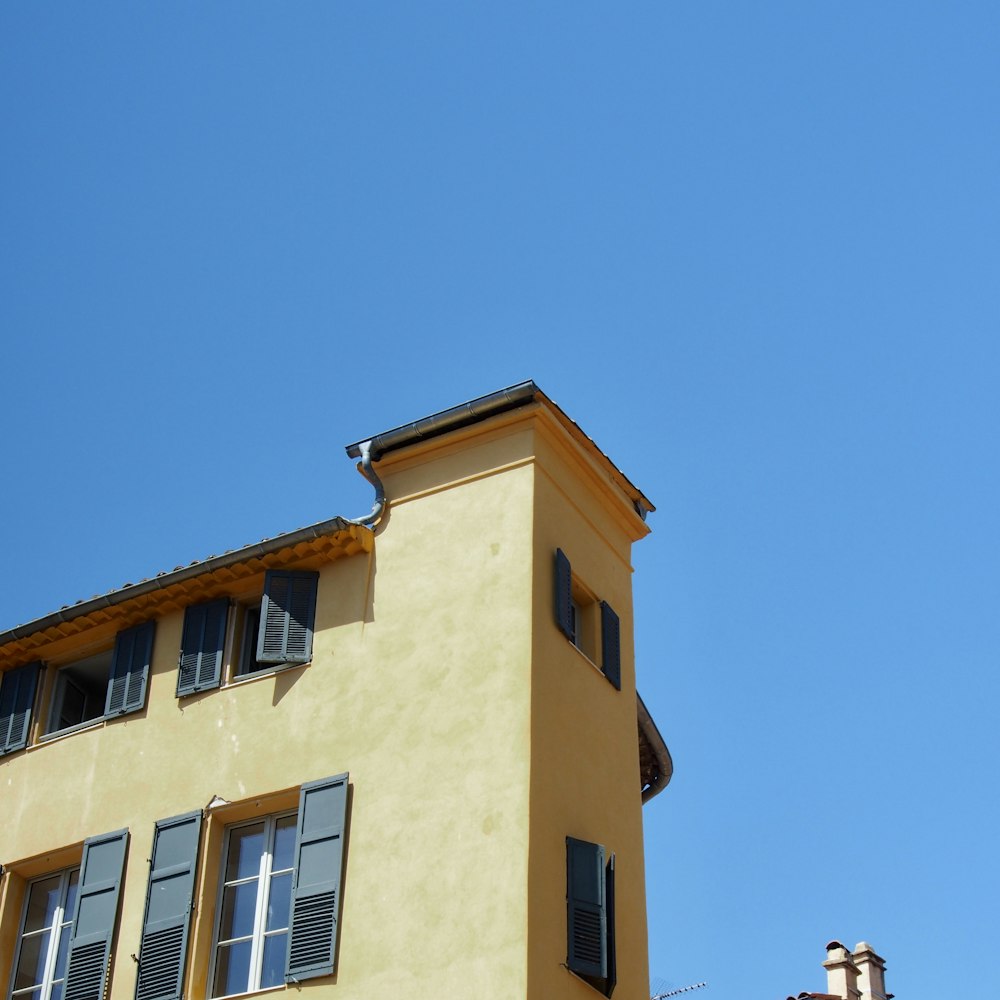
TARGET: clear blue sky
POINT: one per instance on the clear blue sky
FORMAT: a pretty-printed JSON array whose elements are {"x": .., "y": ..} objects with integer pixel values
[{"x": 752, "y": 248}]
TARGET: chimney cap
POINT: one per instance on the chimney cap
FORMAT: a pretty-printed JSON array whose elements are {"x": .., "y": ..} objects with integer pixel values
[{"x": 835, "y": 944}]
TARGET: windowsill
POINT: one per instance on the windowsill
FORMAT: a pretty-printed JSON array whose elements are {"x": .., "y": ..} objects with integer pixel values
[
  {"x": 70, "y": 730},
  {"x": 586, "y": 982},
  {"x": 585, "y": 657},
  {"x": 267, "y": 989},
  {"x": 257, "y": 675}
]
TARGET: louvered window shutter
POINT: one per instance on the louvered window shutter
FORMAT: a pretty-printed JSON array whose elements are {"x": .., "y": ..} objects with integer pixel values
[
  {"x": 169, "y": 898},
  {"x": 564, "y": 596},
  {"x": 609, "y": 899},
  {"x": 17, "y": 696},
  {"x": 94, "y": 916},
  {"x": 202, "y": 641},
  {"x": 287, "y": 614},
  {"x": 611, "y": 645},
  {"x": 130, "y": 669},
  {"x": 319, "y": 858},
  {"x": 585, "y": 909}
]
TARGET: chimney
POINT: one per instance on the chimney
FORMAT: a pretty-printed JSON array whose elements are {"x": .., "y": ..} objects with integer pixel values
[
  {"x": 871, "y": 972},
  {"x": 842, "y": 973}
]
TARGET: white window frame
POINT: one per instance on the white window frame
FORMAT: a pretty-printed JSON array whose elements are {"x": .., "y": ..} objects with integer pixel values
[
  {"x": 61, "y": 924},
  {"x": 263, "y": 876}
]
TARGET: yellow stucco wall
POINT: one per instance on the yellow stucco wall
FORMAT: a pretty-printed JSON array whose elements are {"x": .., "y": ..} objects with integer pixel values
[
  {"x": 585, "y": 765},
  {"x": 440, "y": 683}
]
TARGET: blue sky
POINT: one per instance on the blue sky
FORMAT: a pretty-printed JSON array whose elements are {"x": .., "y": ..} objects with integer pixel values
[{"x": 752, "y": 248}]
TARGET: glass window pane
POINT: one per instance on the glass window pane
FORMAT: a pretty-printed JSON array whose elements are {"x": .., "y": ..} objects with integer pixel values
[
  {"x": 28, "y": 995},
  {"x": 246, "y": 843},
  {"x": 272, "y": 972},
  {"x": 42, "y": 902},
  {"x": 74, "y": 882},
  {"x": 279, "y": 902},
  {"x": 64, "y": 936},
  {"x": 239, "y": 903},
  {"x": 232, "y": 969},
  {"x": 284, "y": 844},
  {"x": 31, "y": 961}
]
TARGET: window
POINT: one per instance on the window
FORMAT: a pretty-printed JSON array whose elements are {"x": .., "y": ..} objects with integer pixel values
[
  {"x": 279, "y": 894},
  {"x": 81, "y": 692},
  {"x": 43, "y": 942},
  {"x": 255, "y": 906},
  {"x": 287, "y": 611},
  {"x": 64, "y": 938},
  {"x": 590, "y": 914},
  {"x": 105, "y": 684},
  {"x": 591, "y": 625}
]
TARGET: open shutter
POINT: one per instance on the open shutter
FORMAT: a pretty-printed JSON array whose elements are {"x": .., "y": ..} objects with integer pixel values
[
  {"x": 611, "y": 646},
  {"x": 564, "y": 596},
  {"x": 609, "y": 899},
  {"x": 17, "y": 695},
  {"x": 287, "y": 614},
  {"x": 130, "y": 669},
  {"x": 94, "y": 916},
  {"x": 167, "y": 921},
  {"x": 200, "y": 665},
  {"x": 319, "y": 859},
  {"x": 585, "y": 909}
]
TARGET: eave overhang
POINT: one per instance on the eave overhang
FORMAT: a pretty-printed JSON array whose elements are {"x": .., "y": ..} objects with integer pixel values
[
  {"x": 202, "y": 580},
  {"x": 656, "y": 767}
]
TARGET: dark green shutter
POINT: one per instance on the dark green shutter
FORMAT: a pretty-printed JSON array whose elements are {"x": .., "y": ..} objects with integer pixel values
[
  {"x": 17, "y": 696},
  {"x": 586, "y": 915},
  {"x": 130, "y": 669},
  {"x": 609, "y": 900},
  {"x": 94, "y": 916},
  {"x": 202, "y": 641},
  {"x": 564, "y": 596},
  {"x": 167, "y": 921},
  {"x": 319, "y": 859},
  {"x": 611, "y": 662},
  {"x": 287, "y": 614}
]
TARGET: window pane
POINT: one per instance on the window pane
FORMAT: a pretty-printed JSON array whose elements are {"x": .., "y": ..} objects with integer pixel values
[
  {"x": 32, "y": 995},
  {"x": 42, "y": 903},
  {"x": 64, "y": 936},
  {"x": 74, "y": 881},
  {"x": 284, "y": 844},
  {"x": 279, "y": 902},
  {"x": 245, "y": 846},
  {"x": 31, "y": 961},
  {"x": 238, "y": 905},
  {"x": 273, "y": 971},
  {"x": 232, "y": 970}
]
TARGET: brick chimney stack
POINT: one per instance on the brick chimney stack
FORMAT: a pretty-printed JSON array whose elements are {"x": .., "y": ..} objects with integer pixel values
[
  {"x": 871, "y": 972},
  {"x": 842, "y": 973}
]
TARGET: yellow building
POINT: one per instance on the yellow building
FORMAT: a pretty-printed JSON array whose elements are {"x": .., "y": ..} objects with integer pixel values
[{"x": 402, "y": 756}]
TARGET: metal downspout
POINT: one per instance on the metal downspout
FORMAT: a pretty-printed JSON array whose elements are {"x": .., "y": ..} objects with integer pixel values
[{"x": 366, "y": 470}]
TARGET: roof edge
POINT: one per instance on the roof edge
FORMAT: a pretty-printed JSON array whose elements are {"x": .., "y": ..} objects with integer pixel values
[
  {"x": 163, "y": 580},
  {"x": 448, "y": 420},
  {"x": 647, "y": 727},
  {"x": 483, "y": 407}
]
